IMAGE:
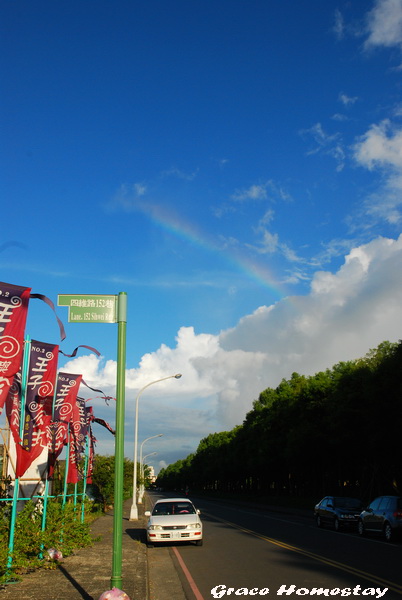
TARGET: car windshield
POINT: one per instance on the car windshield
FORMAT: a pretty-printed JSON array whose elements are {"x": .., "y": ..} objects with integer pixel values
[
  {"x": 352, "y": 503},
  {"x": 173, "y": 508}
]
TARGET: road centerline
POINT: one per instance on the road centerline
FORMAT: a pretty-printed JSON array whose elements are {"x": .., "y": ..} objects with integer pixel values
[{"x": 327, "y": 561}]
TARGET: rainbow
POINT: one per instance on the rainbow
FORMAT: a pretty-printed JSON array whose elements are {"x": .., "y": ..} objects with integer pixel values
[{"x": 181, "y": 229}]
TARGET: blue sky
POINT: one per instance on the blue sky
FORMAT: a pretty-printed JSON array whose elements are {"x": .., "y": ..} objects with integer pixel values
[{"x": 234, "y": 166}]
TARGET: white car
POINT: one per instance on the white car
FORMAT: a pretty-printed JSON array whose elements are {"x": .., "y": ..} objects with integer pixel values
[{"x": 174, "y": 520}]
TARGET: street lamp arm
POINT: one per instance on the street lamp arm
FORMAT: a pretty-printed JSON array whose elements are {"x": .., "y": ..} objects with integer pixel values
[
  {"x": 134, "y": 509},
  {"x": 177, "y": 376},
  {"x": 146, "y": 456}
]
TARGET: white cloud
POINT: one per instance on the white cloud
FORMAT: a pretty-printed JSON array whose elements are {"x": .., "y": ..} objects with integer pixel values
[
  {"x": 325, "y": 143},
  {"x": 127, "y": 197},
  {"x": 381, "y": 148},
  {"x": 344, "y": 315},
  {"x": 268, "y": 242},
  {"x": 384, "y": 24},
  {"x": 339, "y": 25},
  {"x": 339, "y": 117},
  {"x": 254, "y": 192},
  {"x": 175, "y": 172},
  {"x": 347, "y": 100},
  {"x": 381, "y": 145}
]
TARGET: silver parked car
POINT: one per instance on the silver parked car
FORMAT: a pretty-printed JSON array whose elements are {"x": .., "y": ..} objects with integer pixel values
[
  {"x": 383, "y": 515},
  {"x": 174, "y": 520}
]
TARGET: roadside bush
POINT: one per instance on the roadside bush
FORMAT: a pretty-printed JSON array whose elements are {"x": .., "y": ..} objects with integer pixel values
[{"x": 64, "y": 531}]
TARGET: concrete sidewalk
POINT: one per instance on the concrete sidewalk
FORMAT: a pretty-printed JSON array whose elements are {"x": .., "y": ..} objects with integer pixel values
[{"x": 86, "y": 574}]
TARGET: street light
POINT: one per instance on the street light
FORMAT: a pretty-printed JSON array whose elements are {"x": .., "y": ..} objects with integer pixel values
[
  {"x": 146, "y": 456},
  {"x": 141, "y": 492},
  {"x": 134, "y": 509},
  {"x": 142, "y": 486}
]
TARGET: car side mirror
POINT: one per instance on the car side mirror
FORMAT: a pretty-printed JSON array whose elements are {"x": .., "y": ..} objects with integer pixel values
[
  {"x": 147, "y": 513},
  {"x": 198, "y": 511}
]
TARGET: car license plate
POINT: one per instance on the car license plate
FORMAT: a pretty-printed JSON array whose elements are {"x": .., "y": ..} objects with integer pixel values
[{"x": 176, "y": 535}]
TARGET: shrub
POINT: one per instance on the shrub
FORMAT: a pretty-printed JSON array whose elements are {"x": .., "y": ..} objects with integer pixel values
[{"x": 64, "y": 531}]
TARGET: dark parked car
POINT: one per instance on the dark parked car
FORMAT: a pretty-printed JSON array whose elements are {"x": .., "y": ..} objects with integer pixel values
[
  {"x": 383, "y": 515},
  {"x": 338, "y": 512}
]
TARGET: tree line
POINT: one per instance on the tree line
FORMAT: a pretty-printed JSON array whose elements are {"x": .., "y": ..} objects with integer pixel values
[{"x": 336, "y": 432}]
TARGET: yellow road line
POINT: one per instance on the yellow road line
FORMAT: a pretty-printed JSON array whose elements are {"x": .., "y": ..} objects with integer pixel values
[{"x": 395, "y": 587}]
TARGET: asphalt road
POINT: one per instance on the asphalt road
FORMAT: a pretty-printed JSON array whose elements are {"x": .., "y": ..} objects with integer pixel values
[{"x": 280, "y": 554}]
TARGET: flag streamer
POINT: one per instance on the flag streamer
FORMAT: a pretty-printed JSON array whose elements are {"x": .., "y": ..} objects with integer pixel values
[{"x": 50, "y": 303}]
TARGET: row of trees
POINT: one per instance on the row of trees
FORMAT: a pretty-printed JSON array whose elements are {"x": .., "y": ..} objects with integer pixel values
[
  {"x": 102, "y": 488},
  {"x": 336, "y": 432}
]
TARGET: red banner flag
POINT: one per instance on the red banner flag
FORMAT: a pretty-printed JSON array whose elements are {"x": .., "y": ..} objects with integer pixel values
[
  {"x": 64, "y": 410},
  {"x": 40, "y": 387},
  {"x": 84, "y": 416},
  {"x": 91, "y": 456},
  {"x": 38, "y": 404},
  {"x": 73, "y": 475},
  {"x": 66, "y": 393},
  {"x": 26, "y": 457},
  {"x": 56, "y": 438},
  {"x": 78, "y": 431},
  {"x": 13, "y": 315},
  {"x": 39, "y": 437}
]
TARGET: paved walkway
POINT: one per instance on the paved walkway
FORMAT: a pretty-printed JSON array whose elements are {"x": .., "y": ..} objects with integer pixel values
[{"x": 86, "y": 574}]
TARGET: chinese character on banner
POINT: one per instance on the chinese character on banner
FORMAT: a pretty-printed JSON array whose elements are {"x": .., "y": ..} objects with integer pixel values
[
  {"x": 40, "y": 387},
  {"x": 78, "y": 428},
  {"x": 38, "y": 404},
  {"x": 13, "y": 315},
  {"x": 65, "y": 408},
  {"x": 57, "y": 437},
  {"x": 66, "y": 393}
]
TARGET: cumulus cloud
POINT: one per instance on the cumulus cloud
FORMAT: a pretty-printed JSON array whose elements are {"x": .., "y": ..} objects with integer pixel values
[
  {"x": 344, "y": 315},
  {"x": 384, "y": 24},
  {"x": 381, "y": 145},
  {"x": 381, "y": 148}
]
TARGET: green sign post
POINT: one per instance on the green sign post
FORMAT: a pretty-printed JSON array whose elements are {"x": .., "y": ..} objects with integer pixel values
[{"x": 94, "y": 308}]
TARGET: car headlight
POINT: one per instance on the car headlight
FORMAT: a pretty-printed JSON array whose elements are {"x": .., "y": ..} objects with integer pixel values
[
  {"x": 194, "y": 526},
  {"x": 154, "y": 527}
]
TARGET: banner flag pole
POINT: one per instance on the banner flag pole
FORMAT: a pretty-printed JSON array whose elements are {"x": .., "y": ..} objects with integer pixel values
[
  {"x": 84, "y": 481},
  {"x": 46, "y": 492},
  {"x": 66, "y": 466},
  {"x": 25, "y": 366}
]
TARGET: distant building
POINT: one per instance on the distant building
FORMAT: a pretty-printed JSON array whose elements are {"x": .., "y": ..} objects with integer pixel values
[{"x": 152, "y": 476}]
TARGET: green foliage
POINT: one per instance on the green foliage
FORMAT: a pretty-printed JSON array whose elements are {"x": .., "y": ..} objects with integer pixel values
[
  {"x": 335, "y": 432},
  {"x": 5, "y": 486},
  {"x": 64, "y": 531},
  {"x": 103, "y": 477}
]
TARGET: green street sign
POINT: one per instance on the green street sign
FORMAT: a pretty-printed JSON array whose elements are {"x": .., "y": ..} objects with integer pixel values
[
  {"x": 89, "y": 308},
  {"x": 96, "y": 308}
]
